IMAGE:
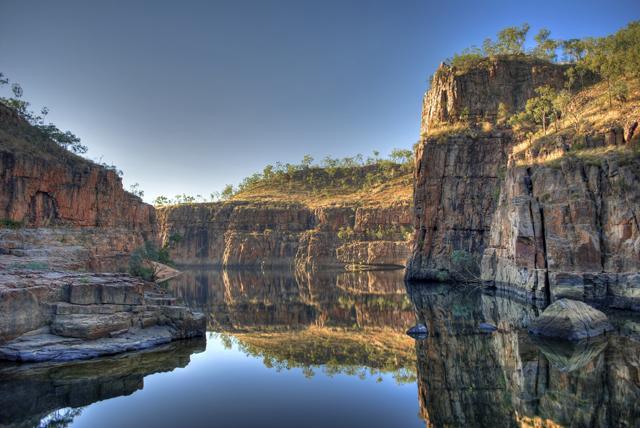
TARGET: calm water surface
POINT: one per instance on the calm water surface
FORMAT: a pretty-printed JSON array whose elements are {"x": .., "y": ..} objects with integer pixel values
[{"x": 329, "y": 349}]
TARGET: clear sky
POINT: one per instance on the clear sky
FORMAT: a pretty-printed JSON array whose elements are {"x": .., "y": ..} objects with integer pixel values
[{"x": 186, "y": 96}]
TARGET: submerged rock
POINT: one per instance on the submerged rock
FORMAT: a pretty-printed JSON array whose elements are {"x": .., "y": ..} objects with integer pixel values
[
  {"x": 570, "y": 319},
  {"x": 418, "y": 331},
  {"x": 487, "y": 328}
]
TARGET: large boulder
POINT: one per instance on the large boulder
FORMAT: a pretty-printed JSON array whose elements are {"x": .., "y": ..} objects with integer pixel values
[{"x": 570, "y": 319}]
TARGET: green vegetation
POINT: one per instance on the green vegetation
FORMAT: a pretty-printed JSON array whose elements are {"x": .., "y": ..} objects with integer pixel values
[
  {"x": 65, "y": 139},
  {"x": 135, "y": 190},
  {"x": 612, "y": 57},
  {"x": 390, "y": 232},
  {"x": 139, "y": 261},
  {"x": 464, "y": 266},
  {"x": 30, "y": 266},
  {"x": 541, "y": 110},
  {"x": 601, "y": 87},
  {"x": 331, "y": 177},
  {"x": 10, "y": 224},
  {"x": 510, "y": 42}
]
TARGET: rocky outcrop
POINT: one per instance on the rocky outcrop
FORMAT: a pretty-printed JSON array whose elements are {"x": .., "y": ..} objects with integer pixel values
[
  {"x": 476, "y": 94},
  {"x": 569, "y": 230},
  {"x": 63, "y": 316},
  {"x": 246, "y": 234},
  {"x": 570, "y": 319},
  {"x": 96, "y": 249},
  {"x": 44, "y": 185},
  {"x": 456, "y": 190},
  {"x": 63, "y": 218},
  {"x": 487, "y": 210}
]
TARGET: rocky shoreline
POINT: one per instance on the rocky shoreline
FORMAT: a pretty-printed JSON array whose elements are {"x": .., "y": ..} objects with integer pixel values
[{"x": 61, "y": 316}]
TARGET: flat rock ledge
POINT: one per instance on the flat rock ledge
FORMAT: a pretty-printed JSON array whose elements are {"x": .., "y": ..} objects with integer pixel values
[
  {"x": 62, "y": 316},
  {"x": 570, "y": 320},
  {"x": 44, "y": 346}
]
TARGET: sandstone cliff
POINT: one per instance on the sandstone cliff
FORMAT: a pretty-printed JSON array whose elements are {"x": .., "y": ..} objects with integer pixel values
[
  {"x": 61, "y": 217},
  {"x": 280, "y": 234},
  {"x": 44, "y": 185},
  {"x": 544, "y": 218}
]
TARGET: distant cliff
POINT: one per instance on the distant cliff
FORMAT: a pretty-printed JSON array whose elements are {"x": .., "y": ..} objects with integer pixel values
[
  {"x": 543, "y": 216},
  {"x": 280, "y": 234}
]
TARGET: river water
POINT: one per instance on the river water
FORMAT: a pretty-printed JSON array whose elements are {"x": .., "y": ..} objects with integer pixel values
[{"x": 329, "y": 349}]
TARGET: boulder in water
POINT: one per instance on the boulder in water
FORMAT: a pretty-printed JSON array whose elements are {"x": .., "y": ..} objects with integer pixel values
[
  {"x": 570, "y": 319},
  {"x": 418, "y": 331}
]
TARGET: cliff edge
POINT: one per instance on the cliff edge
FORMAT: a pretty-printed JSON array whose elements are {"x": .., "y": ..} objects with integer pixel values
[{"x": 541, "y": 215}]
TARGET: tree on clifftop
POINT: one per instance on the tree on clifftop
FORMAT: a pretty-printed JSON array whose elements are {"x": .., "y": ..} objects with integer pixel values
[
  {"x": 65, "y": 139},
  {"x": 510, "y": 41}
]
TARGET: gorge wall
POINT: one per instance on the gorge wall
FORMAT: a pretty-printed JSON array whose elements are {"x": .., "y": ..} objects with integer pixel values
[
  {"x": 268, "y": 234},
  {"x": 48, "y": 189},
  {"x": 488, "y": 209},
  {"x": 44, "y": 185},
  {"x": 63, "y": 219}
]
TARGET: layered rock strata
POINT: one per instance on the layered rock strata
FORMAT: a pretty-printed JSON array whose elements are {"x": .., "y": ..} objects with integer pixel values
[
  {"x": 45, "y": 185},
  {"x": 568, "y": 231},
  {"x": 63, "y": 218},
  {"x": 234, "y": 234},
  {"x": 64, "y": 316},
  {"x": 487, "y": 211}
]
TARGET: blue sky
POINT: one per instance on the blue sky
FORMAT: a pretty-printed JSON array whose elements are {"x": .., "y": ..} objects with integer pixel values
[{"x": 187, "y": 96}]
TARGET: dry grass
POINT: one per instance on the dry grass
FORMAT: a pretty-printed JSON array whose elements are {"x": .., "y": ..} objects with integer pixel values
[
  {"x": 396, "y": 190},
  {"x": 595, "y": 117}
]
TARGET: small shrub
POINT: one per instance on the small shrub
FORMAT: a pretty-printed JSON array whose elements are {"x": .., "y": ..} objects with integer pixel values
[
  {"x": 148, "y": 252},
  {"x": 31, "y": 266},
  {"x": 10, "y": 224}
]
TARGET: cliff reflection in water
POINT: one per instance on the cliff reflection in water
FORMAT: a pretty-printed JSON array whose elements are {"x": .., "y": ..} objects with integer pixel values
[
  {"x": 240, "y": 300},
  {"x": 344, "y": 332},
  {"x": 467, "y": 378},
  {"x": 337, "y": 322}
]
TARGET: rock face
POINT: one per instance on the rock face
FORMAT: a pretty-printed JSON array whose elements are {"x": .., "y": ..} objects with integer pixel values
[
  {"x": 569, "y": 231},
  {"x": 455, "y": 192},
  {"x": 63, "y": 315},
  {"x": 44, "y": 185},
  {"x": 251, "y": 234},
  {"x": 570, "y": 319},
  {"x": 541, "y": 231},
  {"x": 59, "y": 215},
  {"x": 479, "y": 91}
]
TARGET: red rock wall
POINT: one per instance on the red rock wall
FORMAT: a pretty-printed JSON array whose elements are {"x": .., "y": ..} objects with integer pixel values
[
  {"x": 242, "y": 234},
  {"x": 43, "y": 185}
]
